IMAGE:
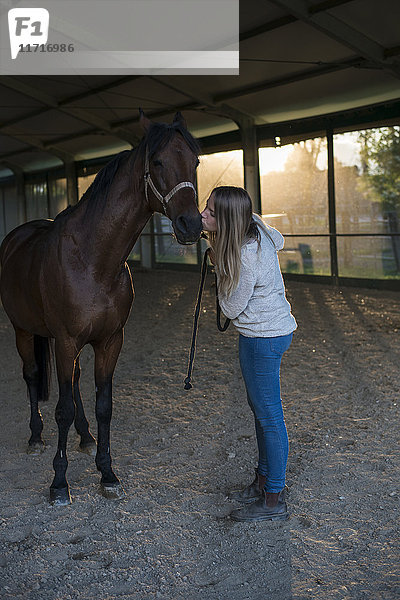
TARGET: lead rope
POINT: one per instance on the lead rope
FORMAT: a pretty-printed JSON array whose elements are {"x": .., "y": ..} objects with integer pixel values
[{"x": 223, "y": 327}]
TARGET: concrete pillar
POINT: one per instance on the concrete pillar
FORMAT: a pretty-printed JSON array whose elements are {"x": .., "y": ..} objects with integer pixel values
[
  {"x": 72, "y": 182},
  {"x": 251, "y": 167},
  {"x": 250, "y": 161}
]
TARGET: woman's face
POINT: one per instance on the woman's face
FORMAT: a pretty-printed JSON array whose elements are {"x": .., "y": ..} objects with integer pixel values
[{"x": 208, "y": 216}]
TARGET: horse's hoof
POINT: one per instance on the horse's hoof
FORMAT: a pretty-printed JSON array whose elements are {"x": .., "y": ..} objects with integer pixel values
[
  {"x": 60, "y": 497},
  {"x": 112, "y": 491},
  {"x": 90, "y": 448},
  {"x": 36, "y": 448}
]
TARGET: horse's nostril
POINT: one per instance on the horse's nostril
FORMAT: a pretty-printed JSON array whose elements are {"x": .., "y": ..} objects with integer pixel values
[
  {"x": 182, "y": 224},
  {"x": 187, "y": 228}
]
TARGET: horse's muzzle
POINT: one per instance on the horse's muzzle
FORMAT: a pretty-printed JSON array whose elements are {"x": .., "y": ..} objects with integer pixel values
[{"x": 187, "y": 229}]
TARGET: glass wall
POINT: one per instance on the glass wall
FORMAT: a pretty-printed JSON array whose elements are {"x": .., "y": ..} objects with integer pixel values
[
  {"x": 37, "y": 201},
  {"x": 167, "y": 249},
  {"x": 45, "y": 199},
  {"x": 57, "y": 195},
  {"x": 294, "y": 199},
  {"x": 220, "y": 168},
  {"x": 84, "y": 183},
  {"x": 367, "y": 191},
  {"x": 11, "y": 209}
]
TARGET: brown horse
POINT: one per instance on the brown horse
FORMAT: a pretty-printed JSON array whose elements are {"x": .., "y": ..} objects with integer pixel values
[{"x": 67, "y": 280}]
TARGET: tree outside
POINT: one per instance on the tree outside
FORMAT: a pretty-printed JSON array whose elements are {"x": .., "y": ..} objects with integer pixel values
[
  {"x": 367, "y": 196},
  {"x": 367, "y": 201}
]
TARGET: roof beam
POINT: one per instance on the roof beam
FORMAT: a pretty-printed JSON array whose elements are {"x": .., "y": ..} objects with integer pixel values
[
  {"x": 78, "y": 113},
  {"x": 34, "y": 142},
  {"x": 288, "y": 19},
  {"x": 74, "y": 98},
  {"x": 49, "y": 146},
  {"x": 287, "y": 79},
  {"x": 341, "y": 32},
  {"x": 201, "y": 100}
]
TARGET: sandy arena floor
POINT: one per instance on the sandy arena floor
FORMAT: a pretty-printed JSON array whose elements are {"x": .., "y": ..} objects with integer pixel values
[{"x": 178, "y": 453}]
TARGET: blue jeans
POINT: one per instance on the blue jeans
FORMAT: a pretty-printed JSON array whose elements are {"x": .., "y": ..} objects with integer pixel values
[{"x": 260, "y": 361}]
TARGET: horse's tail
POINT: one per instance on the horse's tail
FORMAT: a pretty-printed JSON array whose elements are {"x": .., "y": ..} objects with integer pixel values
[{"x": 43, "y": 361}]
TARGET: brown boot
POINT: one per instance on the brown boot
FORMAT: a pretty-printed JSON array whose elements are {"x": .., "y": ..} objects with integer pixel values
[
  {"x": 250, "y": 493},
  {"x": 271, "y": 499},
  {"x": 270, "y": 507}
]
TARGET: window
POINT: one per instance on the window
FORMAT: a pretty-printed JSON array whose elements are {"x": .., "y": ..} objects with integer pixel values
[
  {"x": 84, "y": 183},
  {"x": 37, "y": 206},
  {"x": 221, "y": 168},
  {"x": 167, "y": 249},
  {"x": 367, "y": 190},
  {"x": 57, "y": 196},
  {"x": 294, "y": 199},
  {"x": 12, "y": 212}
]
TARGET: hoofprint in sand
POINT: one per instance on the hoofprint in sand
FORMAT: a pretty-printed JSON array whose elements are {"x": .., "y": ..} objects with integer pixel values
[{"x": 178, "y": 453}]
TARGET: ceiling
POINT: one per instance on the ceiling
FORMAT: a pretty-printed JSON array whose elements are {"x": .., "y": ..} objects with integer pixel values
[{"x": 298, "y": 59}]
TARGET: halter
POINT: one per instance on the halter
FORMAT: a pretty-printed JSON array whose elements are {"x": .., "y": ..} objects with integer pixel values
[{"x": 163, "y": 199}]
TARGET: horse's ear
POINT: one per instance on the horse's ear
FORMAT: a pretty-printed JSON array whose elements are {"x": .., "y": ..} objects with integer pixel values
[
  {"x": 178, "y": 118},
  {"x": 144, "y": 121}
]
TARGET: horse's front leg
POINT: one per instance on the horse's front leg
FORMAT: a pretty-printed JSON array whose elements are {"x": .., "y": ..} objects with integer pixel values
[
  {"x": 65, "y": 414},
  {"x": 88, "y": 443},
  {"x": 106, "y": 356}
]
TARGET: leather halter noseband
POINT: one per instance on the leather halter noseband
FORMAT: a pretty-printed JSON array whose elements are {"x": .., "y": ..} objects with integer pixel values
[{"x": 163, "y": 199}]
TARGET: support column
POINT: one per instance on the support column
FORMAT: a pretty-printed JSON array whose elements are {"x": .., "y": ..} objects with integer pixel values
[
  {"x": 250, "y": 161},
  {"x": 251, "y": 167},
  {"x": 72, "y": 182},
  {"x": 332, "y": 209}
]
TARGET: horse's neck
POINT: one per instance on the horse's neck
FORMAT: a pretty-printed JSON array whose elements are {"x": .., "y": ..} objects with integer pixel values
[{"x": 110, "y": 226}]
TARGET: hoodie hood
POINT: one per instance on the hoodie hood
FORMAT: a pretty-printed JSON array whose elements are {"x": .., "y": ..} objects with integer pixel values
[{"x": 273, "y": 234}]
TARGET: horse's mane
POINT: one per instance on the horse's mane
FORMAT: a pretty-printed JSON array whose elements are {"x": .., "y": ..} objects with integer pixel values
[
  {"x": 160, "y": 134},
  {"x": 101, "y": 183},
  {"x": 157, "y": 137},
  {"x": 105, "y": 176}
]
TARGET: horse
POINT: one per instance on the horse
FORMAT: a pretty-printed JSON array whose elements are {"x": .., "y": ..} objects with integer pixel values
[{"x": 65, "y": 283}]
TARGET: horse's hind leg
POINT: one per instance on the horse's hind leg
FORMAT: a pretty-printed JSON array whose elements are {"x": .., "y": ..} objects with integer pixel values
[
  {"x": 87, "y": 443},
  {"x": 30, "y": 370},
  {"x": 106, "y": 355}
]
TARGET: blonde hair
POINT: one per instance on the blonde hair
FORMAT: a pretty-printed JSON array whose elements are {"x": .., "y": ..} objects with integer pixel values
[{"x": 235, "y": 226}]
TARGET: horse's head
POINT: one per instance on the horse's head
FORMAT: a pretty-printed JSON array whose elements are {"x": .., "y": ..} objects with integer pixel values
[{"x": 171, "y": 159}]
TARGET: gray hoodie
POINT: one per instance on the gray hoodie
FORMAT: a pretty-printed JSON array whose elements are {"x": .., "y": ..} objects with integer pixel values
[{"x": 258, "y": 306}]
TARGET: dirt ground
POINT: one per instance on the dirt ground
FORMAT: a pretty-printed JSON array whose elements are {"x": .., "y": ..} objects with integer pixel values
[{"x": 178, "y": 453}]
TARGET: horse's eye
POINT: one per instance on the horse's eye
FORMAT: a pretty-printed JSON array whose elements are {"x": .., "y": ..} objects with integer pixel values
[{"x": 157, "y": 163}]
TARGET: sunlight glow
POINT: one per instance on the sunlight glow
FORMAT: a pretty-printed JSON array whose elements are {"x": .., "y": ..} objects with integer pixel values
[{"x": 274, "y": 159}]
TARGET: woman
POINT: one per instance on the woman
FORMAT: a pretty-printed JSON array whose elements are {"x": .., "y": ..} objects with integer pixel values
[{"x": 251, "y": 292}]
